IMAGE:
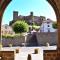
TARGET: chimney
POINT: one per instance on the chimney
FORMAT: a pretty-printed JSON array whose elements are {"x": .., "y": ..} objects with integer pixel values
[{"x": 15, "y": 15}]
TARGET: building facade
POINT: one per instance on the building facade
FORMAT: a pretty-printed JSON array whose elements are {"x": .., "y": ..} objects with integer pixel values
[
  {"x": 47, "y": 26},
  {"x": 6, "y": 29}
]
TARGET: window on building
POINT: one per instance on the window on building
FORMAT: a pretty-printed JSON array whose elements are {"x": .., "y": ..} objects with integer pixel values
[{"x": 48, "y": 26}]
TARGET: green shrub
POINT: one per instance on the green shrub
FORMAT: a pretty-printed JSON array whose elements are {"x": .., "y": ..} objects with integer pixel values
[
  {"x": 7, "y": 36},
  {"x": 54, "y": 25},
  {"x": 36, "y": 27},
  {"x": 20, "y": 27},
  {"x": 17, "y": 35}
]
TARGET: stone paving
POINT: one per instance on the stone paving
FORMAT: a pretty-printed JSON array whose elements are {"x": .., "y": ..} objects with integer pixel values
[{"x": 24, "y": 51}]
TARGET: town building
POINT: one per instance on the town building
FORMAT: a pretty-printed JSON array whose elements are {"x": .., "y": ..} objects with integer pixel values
[
  {"x": 6, "y": 29},
  {"x": 47, "y": 26}
]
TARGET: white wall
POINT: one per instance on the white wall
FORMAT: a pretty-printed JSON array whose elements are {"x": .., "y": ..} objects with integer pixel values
[{"x": 44, "y": 27}]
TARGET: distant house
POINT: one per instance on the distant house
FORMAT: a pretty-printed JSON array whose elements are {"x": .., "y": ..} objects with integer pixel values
[
  {"x": 46, "y": 26},
  {"x": 6, "y": 29}
]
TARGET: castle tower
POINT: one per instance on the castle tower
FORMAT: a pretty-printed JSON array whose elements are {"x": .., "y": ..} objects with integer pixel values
[
  {"x": 31, "y": 13},
  {"x": 15, "y": 15},
  {"x": 42, "y": 18}
]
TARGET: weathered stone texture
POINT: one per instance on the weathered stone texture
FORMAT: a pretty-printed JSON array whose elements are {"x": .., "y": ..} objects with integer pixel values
[
  {"x": 56, "y": 6},
  {"x": 44, "y": 38},
  {"x": 50, "y": 54},
  {"x": 6, "y": 55},
  {"x": 37, "y": 39}
]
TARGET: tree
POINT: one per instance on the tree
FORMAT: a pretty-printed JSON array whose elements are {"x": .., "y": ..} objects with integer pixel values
[
  {"x": 54, "y": 25},
  {"x": 20, "y": 27}
]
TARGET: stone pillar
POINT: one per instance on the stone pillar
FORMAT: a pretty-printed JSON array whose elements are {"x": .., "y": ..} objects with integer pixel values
[
  {"x": 0, "y": 29},
  {"x": 58, "y": 45}
]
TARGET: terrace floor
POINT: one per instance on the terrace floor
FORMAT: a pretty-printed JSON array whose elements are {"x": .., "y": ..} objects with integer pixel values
[{"x": 24, "y": 51}]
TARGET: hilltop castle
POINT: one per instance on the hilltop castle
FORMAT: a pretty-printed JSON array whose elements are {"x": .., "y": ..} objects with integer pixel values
[{"x": 29, "y": 19}]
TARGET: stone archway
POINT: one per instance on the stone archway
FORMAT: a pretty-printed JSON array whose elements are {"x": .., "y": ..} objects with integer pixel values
[
  {"x": 3, "y": 5},
  {"x": 56, "y": 6},
  {"x": 54, "y": 3}
]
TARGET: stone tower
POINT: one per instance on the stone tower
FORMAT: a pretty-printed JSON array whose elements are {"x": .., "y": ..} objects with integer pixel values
[
  {"x": 31, "y": 13},
  {"x": 15, "y": 15}
]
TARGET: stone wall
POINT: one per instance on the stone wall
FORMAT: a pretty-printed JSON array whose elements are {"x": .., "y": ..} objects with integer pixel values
[
  {"x": 40, "y": 39},
  {"x": 44, "y": 38},
  {"x": 16, "y": 41},
  {"x": 31, "y": 40}
]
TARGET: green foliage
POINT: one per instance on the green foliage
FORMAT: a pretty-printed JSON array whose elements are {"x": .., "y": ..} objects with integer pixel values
[
  {"x": 36, "y": 27},
  {"x": 54, "y": 25},
  {"x": 20, "y": 27},
  {"x": 17, "y": 35},
  {"x": 12, "y": 36},
  {"x": 7, "y": 36}
]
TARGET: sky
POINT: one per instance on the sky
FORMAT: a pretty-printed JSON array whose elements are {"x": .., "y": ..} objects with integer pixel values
[{"x": 24, "y": 7}]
